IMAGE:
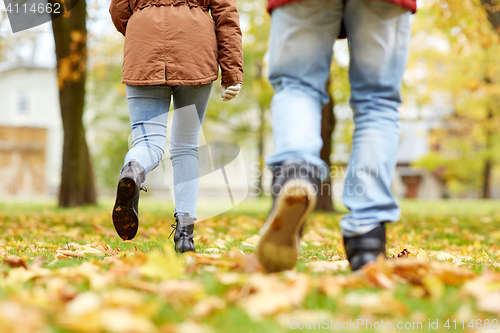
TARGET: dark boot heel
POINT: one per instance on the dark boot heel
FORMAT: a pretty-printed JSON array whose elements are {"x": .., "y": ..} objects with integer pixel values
[
  {"x": 363, "y": 249},
  {"x": 126, "y": 210}
]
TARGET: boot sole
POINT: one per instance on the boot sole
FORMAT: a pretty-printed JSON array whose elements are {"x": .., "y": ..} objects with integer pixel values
[
  {"x": 279, "y": 245},
  {"x": 125, "y": 219}
]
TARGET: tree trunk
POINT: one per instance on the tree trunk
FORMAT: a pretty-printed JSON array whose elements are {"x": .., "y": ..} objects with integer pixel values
[
  {"x": 325, "y": 199},
  {"x": 70, "y": 36},
  {"x": 487, "y": 179},
  {"x": 488, "y": 163},
  {"x": 492, "y": 8}
]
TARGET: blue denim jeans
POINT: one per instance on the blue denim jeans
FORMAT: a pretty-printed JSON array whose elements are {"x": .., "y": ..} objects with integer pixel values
[
  {"x": 148, "y": 107},
  {"x": 302, "y": 37}
]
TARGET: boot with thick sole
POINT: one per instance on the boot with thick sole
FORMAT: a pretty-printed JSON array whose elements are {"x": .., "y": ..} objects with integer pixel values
[
  {"x": 363, "y": 249},
  {"x": 126, "y": 209},
  {"x": 184, "y": 233},
  {"x": 279, "y": 245}
]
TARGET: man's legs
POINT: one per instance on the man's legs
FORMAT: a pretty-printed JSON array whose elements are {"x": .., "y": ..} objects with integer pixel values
[
  {"x": 302, "y": 37},
  {"x": 300, "y": 53},
  {"x": 379, "y": 35}
]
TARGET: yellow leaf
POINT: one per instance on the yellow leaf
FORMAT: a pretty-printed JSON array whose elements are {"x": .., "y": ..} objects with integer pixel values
[
  {"x": 84, "y": 303},
  {"x": 120, "y": 320},
  {"x": 434, "y": 287},
  {"x": 422, "y": 255},
  {"x": 251, "y": 243},
  {"x": 163, "y": 267}
]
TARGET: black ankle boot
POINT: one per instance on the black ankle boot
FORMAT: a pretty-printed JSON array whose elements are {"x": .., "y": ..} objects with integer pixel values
[
  {"x": 363, "y": 249},
  {"x": 184, "y": 233},
  {"x": 126, "y": 209}
]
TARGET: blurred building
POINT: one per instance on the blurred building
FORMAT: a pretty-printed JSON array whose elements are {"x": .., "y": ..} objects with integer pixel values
[
  {"x": 30, "y": 130},
  {"x": 414, "y": 182},
  {"x": 31, "y": 140},
  {"x": 409, "y": 181}
]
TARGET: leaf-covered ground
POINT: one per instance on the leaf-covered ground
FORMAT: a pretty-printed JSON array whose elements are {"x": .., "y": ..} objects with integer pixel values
[{"x": 66, "y": 270}]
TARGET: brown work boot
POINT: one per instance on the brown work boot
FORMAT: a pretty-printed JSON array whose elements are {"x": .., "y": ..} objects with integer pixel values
[{"x": 295, "y": 190}]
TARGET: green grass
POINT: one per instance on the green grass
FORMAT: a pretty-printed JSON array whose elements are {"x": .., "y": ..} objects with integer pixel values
[{"x": 470, "y": 229}]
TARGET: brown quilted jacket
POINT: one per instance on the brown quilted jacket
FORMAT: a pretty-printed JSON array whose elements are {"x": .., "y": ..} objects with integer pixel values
[{"x": 179, "y": 42}]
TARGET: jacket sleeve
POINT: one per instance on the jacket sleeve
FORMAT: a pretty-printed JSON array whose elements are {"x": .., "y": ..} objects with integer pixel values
[
  {"x": 227, "y": 29},
  {"x": 120, "y": 13}
]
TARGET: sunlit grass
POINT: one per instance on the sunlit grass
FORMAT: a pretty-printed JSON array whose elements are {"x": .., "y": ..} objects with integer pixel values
[{"x": 466, "y": 229}]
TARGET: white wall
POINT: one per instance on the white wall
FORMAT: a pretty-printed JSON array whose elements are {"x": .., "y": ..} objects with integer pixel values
[{"x": 40, "y": 84}]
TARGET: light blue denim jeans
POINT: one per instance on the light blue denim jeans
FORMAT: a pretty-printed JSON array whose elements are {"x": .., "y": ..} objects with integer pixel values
[
  {"x": 301, "y": 47},
  {"x": 148, "y": 107}
]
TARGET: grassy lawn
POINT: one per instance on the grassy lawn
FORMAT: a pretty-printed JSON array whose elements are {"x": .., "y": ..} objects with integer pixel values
[{"x": 65, "y": 270}]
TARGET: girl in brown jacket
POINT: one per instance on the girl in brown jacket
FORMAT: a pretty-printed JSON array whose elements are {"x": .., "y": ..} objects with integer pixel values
[{"x": 172, "y": 48}]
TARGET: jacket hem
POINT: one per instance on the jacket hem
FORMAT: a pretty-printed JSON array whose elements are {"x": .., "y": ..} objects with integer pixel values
[
  {"x": 193, "y": 82},
  {"x": 160, "y": 3}
]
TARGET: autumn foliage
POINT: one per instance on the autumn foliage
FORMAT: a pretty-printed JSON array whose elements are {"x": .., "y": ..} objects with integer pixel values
[{"x": 67, "y": 270}]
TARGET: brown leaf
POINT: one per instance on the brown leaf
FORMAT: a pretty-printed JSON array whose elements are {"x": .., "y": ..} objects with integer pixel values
[
  {"x": 20, "y": 318},
  {"x": 451, "y": 274},
  {"x": 379, "y": 273},
  {"x": 371, "y": 302},
  {"x": 247, "y": 263},
  {"x": 181, "y": 292},
  {"x": 37, "y": 262},
  {"x": 483, "y": 285},
  {"x": 208, "y": 305},
  {"x": 99, "y": 228},
  {"x": 99, "y": 249},
  {"x": 63, "y": 254},
  {"x": 15, "y": 261},
  {"x": 266, "y": 295},
  {"x": 403, "y": 254},
  {"x": 234, "y": 260}
]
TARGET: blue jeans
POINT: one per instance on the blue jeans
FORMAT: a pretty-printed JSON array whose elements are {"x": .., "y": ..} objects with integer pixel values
[
  {"x": 148, "y": 107},
  {"x": 302, "y": 37}
]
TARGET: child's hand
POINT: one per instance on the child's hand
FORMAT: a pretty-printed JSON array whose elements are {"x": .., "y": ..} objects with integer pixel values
[{"x": 230, "y": 92}]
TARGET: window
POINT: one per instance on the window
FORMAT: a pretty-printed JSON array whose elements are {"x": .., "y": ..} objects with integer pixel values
[{"x": 22, "y": 103}]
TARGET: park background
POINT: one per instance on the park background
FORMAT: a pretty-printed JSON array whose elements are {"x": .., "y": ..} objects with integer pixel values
[{"x": 65, "y": 269}]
